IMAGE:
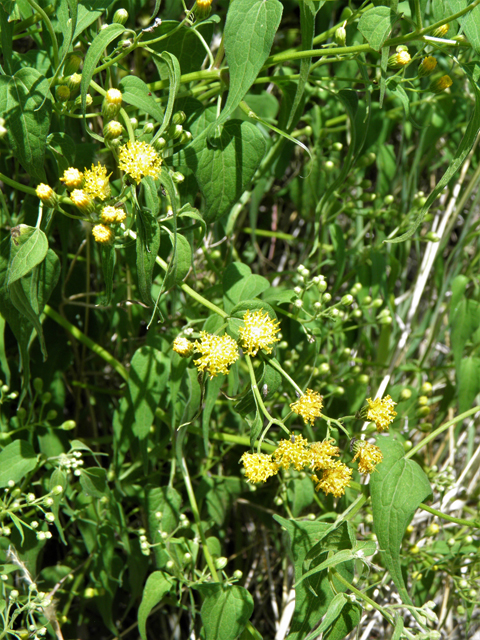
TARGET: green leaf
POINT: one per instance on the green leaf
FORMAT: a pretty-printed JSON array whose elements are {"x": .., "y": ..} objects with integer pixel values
[
  {"x": 239, "y": 284},
  {"x": 136, "y": 92},
  {"x": 397, "y": 487},
  {"x": 225, "y": 611},
  {"x": 345, "y": 622},
  {"x": 464, "y": 321},
  {"x": 27, "y": 250},
  {"x": 157, "y": 586},
  {"x": 108, "y": 258},
  {"x": 255, "y": 425},
  {"x": 248, "y": 37},
  {"x": 147, "y": 379},
  {"x": 148, "y": 240},
  {"x": 62, "y": 147},
  {"x": 169, "y": 69},
  {"x": 94, "y": 52},
  {"x": 376, "y": 24},
  {"x": 6, "y": 35},
  {"x": 17, "y": 459},
  {"x": 181, "y": 260},
  {"x": 167, "y": 502},
  {"x": 224, "y": 166},
  {"x": 468, "y": 382},
  {"x": 27, "y": 125},
  {"x": 469, "y": 23},
  {"x": 268, "y": 381},
  {"x": 460, "y": 155},
  {"x": 334, "y": 610},
  {"x": 94, "y": 482}
]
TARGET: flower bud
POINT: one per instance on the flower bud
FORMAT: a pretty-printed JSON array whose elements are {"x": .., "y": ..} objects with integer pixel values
[
  {"x": 347, "y": 300},
  {"x": 177, "y": 177},
  {"x": 432, "y": 529},
  {"x": 329, "y": 166},
  {"x": 73, "y": 82},
  {"x": 112, "y": 130},
  {"x": 68, "y": 425},
  {"x": 103, "y": 234},
  {"x": 431, "y": 236},
  {"x": 88, "y": 100},
  {"x": 47, "y": 195},
  {"x": 72, "y": 63},
  {"x": 367, "y": 159},
  {"x": 427, "y": 66},
  {"x": 120, "y": 16},
  {"x": 179, "y": 117},
  {"x": 221, "y": 563},
  {"x": 51, "y": 415},
  {"x": 341, "y": 36},
  {"x": 203, "y": 9},
  {"x": 399, "y": 60},
  {"x": 62, "y": 93},
  {"x": 327, "y": 297},
  {"x": 159, "y": 144},
  {"x": 406, "y": 394},
  {"x": 112, "y": 104},
  {"x": 389, "y": 199},
  {"x": 148, "y": 128},
  {"x": 185, "y": 138},
  {"x": 175, "y": 131},
  {"x": 237, "y": 574},
  {"x": 57, "y": 490},
  {"x": 422, "y": 412},
  {"x": 441, "y": 84},
  {"x": 38, "y": 385},
  {"x": 82, "y": 201},
  {"x": 441, "y": 32}
]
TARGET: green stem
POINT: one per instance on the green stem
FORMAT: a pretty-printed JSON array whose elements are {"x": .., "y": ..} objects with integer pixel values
[
  {"x": 259, "y": 398},
  {"x": 418, "y": 15},
  {"x": 17, "y": 185},
  {"x": 81, "y": 337},
  {"x": 445, "y": 516},
  {"x": 276, "y": 365},
  {"x": 49, "y": 26},
  {"x": 230, "y": 438},
  {"x": 187, "y": 77},
  {"x": 441, "y": 429},
  {"x": 196, "y": 515}
]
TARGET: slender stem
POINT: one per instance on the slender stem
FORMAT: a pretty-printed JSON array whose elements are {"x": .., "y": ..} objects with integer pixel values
[
  {"x": 259, "y": 398},
  {"x": 81, "y": 337},
  {"x": 196, "y": 515},
  {"x": 230, "y": 438},
  {"x": 441, "y": 429},
  {"x": 17, "y": 185},
  {"x": 445, "y": 516},
  {"x": 418, "y": 14},
  {"x": 276, "y": 365},
  {"x": 49, "y": 26}
]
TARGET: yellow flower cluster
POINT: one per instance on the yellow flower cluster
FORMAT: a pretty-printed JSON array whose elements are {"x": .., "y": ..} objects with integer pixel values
[
  {"x": 368, "y": 455},
  {"x": 103, "y": 234},
  {"x": 381, "y": 412},
  {"x": 334, "y": 480},
  {"x": 112, "y": 215},
  {"x": 95, "y": 182},
  {"x": 322, "y": 454},
  {"x": 139, "y": 159},
  {"x": 218, "y": 353},
  {"x": 293, "y": 452},
  {"x": 258, "y": 332},
  {"x": 309, "y": 406},
  {"x": 259, "y": 466},
  {"x": 183, "y": 346}
]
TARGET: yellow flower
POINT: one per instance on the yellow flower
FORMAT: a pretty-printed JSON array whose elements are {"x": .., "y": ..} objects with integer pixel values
[
  {"x": 82, "y": 200},
  {"x": 441, "y": 84},
  {"x": 368, "y": 456},
  {"x": 96, "y": 182},
  {"x": 46, "y": 194},
  {"x": 293, "y": 452},
  {"x": 112, "y": 130},
  {"x": 399, "y": 59},
  {"x": 111, "y": 215},
  {"x": 218, "y": 353},
  {"x": 427, "y": 65},
  {"x": 204, "y": 4},
  {"x": 114, "y": 96},
  {"x": 441, "y": 32},
  {"x": 322, "y": 453},
  {"x": 72, "y": 178},
  {"x": 139, "y": 159},
  {"x": 258, "y": 332},
  {"x": 381, "y": 412},
  {"x": 183, "y": 346},
  {"x": 102, "y": 234},
  {"x": 334, "y": 480},
  {"x": 258, "y": 466},
  {"x": 309, "y": 406}
]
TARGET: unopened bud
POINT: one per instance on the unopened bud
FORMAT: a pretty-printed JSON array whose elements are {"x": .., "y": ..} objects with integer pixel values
[
  {"x": 72, "y": 63},
  {"x": 112, "y": 130},
  {"x": 62, "y": 93},
  {"x": 441, "y": 32},
  {"x": 427, "y": 66},
  {"x": 399, "y": 59},
  {"x": 120, "y": 16},
  {"x": 47, "y": 195},
  {"x": 112, "y": 104},
  {"x": 441, "y": 84},
  {"x": 431, "y": 236},
  {"x": 341, "y": 36},
  {"x": 221, "y": 563},
  {"x": 179, "y": 117},
  {"x": 73, "y": 82}
]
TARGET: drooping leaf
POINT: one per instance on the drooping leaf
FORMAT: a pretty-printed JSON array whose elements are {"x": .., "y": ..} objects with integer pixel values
[
  {"x": 28, "y": 249},
  {"x": 158, "y": 585}
]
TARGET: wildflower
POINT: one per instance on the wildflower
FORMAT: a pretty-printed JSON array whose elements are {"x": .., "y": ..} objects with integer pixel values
[
  {"x": 183, "y": 346},
  {"x": 103, "y": 234},
  {"x": 427, "y": 65},
  {"x": 258, "y": 466},
  {"x": 112, "y": 103},
  {"x": 441, "y": 32},
  {"x": 72, "y": 178},
  {"x": 399, "y": 59},
  {"x": 258, "y": 332},
  {"x": 139, "y": 159},
  {"x": 321, "y": 454},
  {"x": 112, "y": 130},
  {"x": 334, "y": 480},
  {"x": 309, "y": 406},
  {"x": 369, "y": 455},
  {"x": 114, "y": 96},
  {"x": 96, "y": 182},
  {"x": 381, "y": 412},
  {"x": 218, "y": 353},
  {"x": 293, "y": 452},
  {"x": 74, "y": 81},
  {"x": 82, "y": 200},
  {"x": 441, "y": 84},
  {"x": 111, "y": 215},
  {"x": 46, "y": 194},
  {"x": 203, "y": 9}
]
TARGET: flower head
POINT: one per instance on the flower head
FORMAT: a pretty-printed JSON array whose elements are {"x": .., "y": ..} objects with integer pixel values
[
  {"x": 82, "y": 200},
  {"x": 112, "y": 130},
  {"x": 369, "y": 455},
  {"x": 258, "y": 332},
  {"x": 309, "y": 406},
  {"x": 334, "y": 480},
  {"x": 46, "y": 194},
  {"x": 218, "y": 353},
  {"x": 441, "y": 32},
  {"x": 427, "y": 65},
  {"x": 381, "y": 412},
  {"x": 96, "y": 182},
  {"x": 183, "y": 346},
  {"x": 111, "y": 215},
  {"x": 258, "y": 466},
  {"x": 72, "y": 178},
  {"x": 103, "y": 234},
  {"x": 114, "y": 96},
  {"x": 399, "y": 59},
  {"x": 139, "y": 159},
  {"x": 441, "y": 84},
  {"x": 293, "y": 452},
  {"x": 321, "y": 454}
]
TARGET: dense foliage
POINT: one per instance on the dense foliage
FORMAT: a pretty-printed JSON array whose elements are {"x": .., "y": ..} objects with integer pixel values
[{"x": 239, "y": 319}]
